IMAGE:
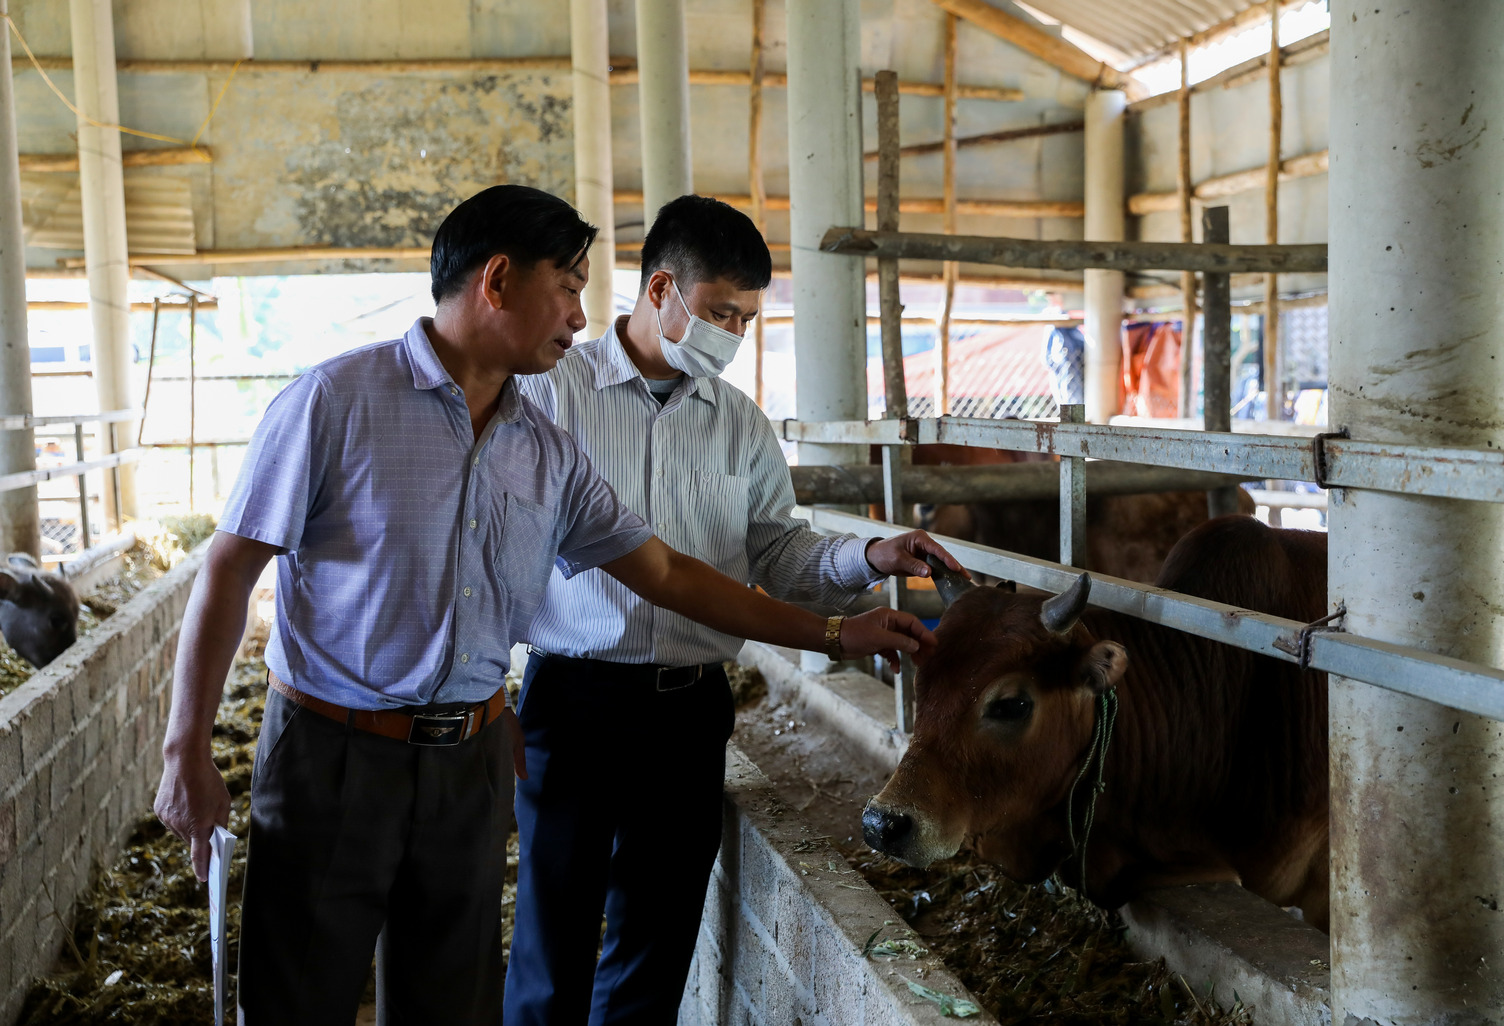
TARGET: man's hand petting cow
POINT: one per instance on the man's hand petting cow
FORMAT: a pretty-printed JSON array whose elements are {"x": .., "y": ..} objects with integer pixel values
[{"x": 1211, "y": 761}]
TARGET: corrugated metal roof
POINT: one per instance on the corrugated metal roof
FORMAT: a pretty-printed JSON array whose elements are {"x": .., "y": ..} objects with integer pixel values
[
  {"x": 1139, "y": 27},
  {"x": 158, "y": 213}
]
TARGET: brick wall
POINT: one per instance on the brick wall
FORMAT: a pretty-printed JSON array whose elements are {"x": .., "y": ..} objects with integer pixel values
[
  {"x": 785, "y": 925},
  {"x": 80, "y": 757}
]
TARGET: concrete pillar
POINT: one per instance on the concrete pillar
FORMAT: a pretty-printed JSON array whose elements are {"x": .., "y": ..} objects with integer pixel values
[
  {"x": 102, "y": 184},
  {"x": 1417, "y": 356},
  {"x": 663, "y": 104},
  {"x": 825, "y": 190},
  {"x": 1105, "y": 215},
  {"x": 20, "y": 529},
  {"x": 590, "y": 53}
]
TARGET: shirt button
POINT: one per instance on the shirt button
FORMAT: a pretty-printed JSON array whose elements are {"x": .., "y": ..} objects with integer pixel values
[
  {"x": 475, "y": 462},
  {"x": 467, "y": 592},
  {"x": 662, "y": 528},
  {"x": 465, "y": 658},
  {"x": 453, "y": 390},
  {"x": 474, "y": 523}
]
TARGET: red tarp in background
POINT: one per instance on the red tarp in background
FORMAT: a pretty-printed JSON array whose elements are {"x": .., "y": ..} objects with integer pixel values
[{"x": 1151, "y": 370}]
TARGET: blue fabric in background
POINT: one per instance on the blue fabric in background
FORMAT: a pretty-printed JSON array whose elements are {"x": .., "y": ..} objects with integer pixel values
[{"x": 1065, "y": 355}]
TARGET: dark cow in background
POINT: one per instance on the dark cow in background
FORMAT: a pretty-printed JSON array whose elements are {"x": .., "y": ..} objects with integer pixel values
[
  {"x": 1127, "y": 536},
  {"x": 1217, "y": 767},
  {"x": 38, "y": 610}
]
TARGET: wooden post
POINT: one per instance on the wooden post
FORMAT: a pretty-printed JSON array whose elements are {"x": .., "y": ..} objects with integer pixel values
[
  {"x": 1274, "y": 386},
  {"x": 1216, "y": 359},
  {"x": 890, "y": 305},
  {"x": 754, "y": 173},
  {"x": 951, "y": 267},
  {"x": 1187, "y": 278},
  {"x": 895, "y": 389},
  {"x": 192, "y": 393}
]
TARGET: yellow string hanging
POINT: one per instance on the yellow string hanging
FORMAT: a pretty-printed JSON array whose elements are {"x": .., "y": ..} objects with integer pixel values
[{"x": 191, "y": 144}]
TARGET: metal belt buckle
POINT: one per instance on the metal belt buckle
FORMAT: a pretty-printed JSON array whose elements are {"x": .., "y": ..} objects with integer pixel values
[
  {"x": 438, "y": 731},
  {"x": 692, "y": 677}
]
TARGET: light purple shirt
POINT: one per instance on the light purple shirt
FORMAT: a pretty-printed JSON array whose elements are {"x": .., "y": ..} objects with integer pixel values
[{"x": 412, "y": 555}]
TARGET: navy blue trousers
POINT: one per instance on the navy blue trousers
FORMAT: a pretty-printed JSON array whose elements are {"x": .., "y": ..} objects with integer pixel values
[{"x": 620, "y": 817}]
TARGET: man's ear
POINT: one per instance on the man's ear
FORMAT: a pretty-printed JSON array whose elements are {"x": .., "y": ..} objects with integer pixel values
[
  {"x": 1102, "y": 666},
  {"x": 493, "y": 279},
  {"x": 659, "y": 282}
]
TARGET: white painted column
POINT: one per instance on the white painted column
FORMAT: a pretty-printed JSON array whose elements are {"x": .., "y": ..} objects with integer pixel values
[
  {"x": 825, "y": 189},
  {"x": 20, "y": 529},
  {"x": 590, "y": 53},
  {"x": 1105, "y": 216},
  {"x": 1417, "y": 355},
  {"x": 663, "y": 103},
  {"x": 102, "y": 184}
]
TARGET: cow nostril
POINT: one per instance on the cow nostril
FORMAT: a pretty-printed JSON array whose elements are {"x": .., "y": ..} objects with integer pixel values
[{"x": 882, "y": 829}]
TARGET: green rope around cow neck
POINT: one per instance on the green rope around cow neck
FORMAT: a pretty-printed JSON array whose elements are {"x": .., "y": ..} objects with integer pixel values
[{"x": 1096, "y": 753}]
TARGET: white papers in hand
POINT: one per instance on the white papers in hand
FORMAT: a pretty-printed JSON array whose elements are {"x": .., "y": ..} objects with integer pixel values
[{"x": 221, "y": 851}]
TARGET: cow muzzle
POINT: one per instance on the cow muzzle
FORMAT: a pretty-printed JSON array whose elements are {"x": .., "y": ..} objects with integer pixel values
[
  {"x": 904, "y": 834},
  {"x": 885, "y": 830}
]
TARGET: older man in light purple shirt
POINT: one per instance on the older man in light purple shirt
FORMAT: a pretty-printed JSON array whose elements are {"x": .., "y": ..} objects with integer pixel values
[{"x": 417, "y": 506}]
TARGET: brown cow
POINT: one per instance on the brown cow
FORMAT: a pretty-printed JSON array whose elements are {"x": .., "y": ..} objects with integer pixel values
[
  {"x": 1217, "y": 767},
  {"x": 1127, "y": 536}
]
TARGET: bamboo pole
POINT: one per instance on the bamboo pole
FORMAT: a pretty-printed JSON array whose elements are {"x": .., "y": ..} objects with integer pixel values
[
  {"x": 1022, "y": 209},
  {"x": 1187, "y": 278},
  {"x": 754, "y": 173},
  {"x": 890, "y": 305},
  {"x": 170, "y": 156},
  {"x": 952, "y": 268},
  {"x": 987, "y": 138},
  {"x": 1274, "y": 390},
  {"x": 1303, "y": 166},
  {"x": 623, "y": 72}
]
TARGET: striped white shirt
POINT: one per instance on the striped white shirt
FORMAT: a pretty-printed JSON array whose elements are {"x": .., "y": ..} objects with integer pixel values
[{"x": 706, "y": 473}]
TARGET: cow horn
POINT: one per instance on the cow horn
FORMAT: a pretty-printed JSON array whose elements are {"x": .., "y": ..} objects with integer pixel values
[
  {"x": 947, "y": 582},
  {"x": 1061, "y": 612}
]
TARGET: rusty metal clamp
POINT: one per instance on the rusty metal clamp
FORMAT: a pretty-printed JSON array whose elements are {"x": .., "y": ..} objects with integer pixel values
[
  {"x": 1300, "y": 645},
  {"x": 1318, "y": 454},
  {"x": 908, "y": 430}
]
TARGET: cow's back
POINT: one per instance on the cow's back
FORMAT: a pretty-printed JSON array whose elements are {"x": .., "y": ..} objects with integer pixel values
[{"x": 1221, "y": 745}]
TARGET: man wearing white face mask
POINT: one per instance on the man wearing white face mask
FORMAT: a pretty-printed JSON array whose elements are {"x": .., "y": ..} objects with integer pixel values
[{"x": 625, "y": 707}]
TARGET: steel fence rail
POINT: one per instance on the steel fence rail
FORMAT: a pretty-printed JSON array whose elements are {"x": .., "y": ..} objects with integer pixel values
[
  {"x": 26, "y": 478},
  {"x": 1473, "y": 474},
  {"x": 17, "y": 421},
  {"x": 1411, "y": 671}
]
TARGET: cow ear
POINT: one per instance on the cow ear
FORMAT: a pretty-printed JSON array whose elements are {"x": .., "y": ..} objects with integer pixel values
[
  {"x": 8, "y": 583},
  {"x": 1103, "y": 666}
]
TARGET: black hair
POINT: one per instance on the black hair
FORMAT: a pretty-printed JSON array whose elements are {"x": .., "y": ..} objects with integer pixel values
[
  {"x": 525, "y": 224},
  {"x": 699, "y": 239}
]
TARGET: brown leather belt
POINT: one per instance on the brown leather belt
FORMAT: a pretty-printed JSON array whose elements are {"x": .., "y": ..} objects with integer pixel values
[{"x": 415, "y": 727}]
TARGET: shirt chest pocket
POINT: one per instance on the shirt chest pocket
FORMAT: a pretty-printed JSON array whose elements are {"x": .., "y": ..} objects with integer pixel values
[
  {"x": 525, "y": 556},
  {"x": 716, "y": 521}
]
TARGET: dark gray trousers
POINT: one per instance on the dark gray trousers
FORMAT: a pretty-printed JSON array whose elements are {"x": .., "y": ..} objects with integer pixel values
[{"x": 350, "y": 831}]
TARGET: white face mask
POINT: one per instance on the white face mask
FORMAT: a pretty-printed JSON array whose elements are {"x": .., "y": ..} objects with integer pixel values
[{"x": 704, "y": 351}]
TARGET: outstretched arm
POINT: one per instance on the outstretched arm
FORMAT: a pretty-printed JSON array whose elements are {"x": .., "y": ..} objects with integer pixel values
[
  {"x": 690, "y": 588},
  {"x": 192, "y": 799}
]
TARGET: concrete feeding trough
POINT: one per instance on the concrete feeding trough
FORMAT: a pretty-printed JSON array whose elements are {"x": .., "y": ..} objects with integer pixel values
[
  {"x": 752, "y": 962},
  {"x": 80, "y": 755}
]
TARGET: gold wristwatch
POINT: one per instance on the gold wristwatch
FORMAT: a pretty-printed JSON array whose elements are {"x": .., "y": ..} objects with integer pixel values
[{"x": 833, "y": 638}]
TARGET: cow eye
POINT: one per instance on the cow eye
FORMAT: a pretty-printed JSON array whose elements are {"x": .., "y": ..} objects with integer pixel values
[{"x": 1009, "y": 709}]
